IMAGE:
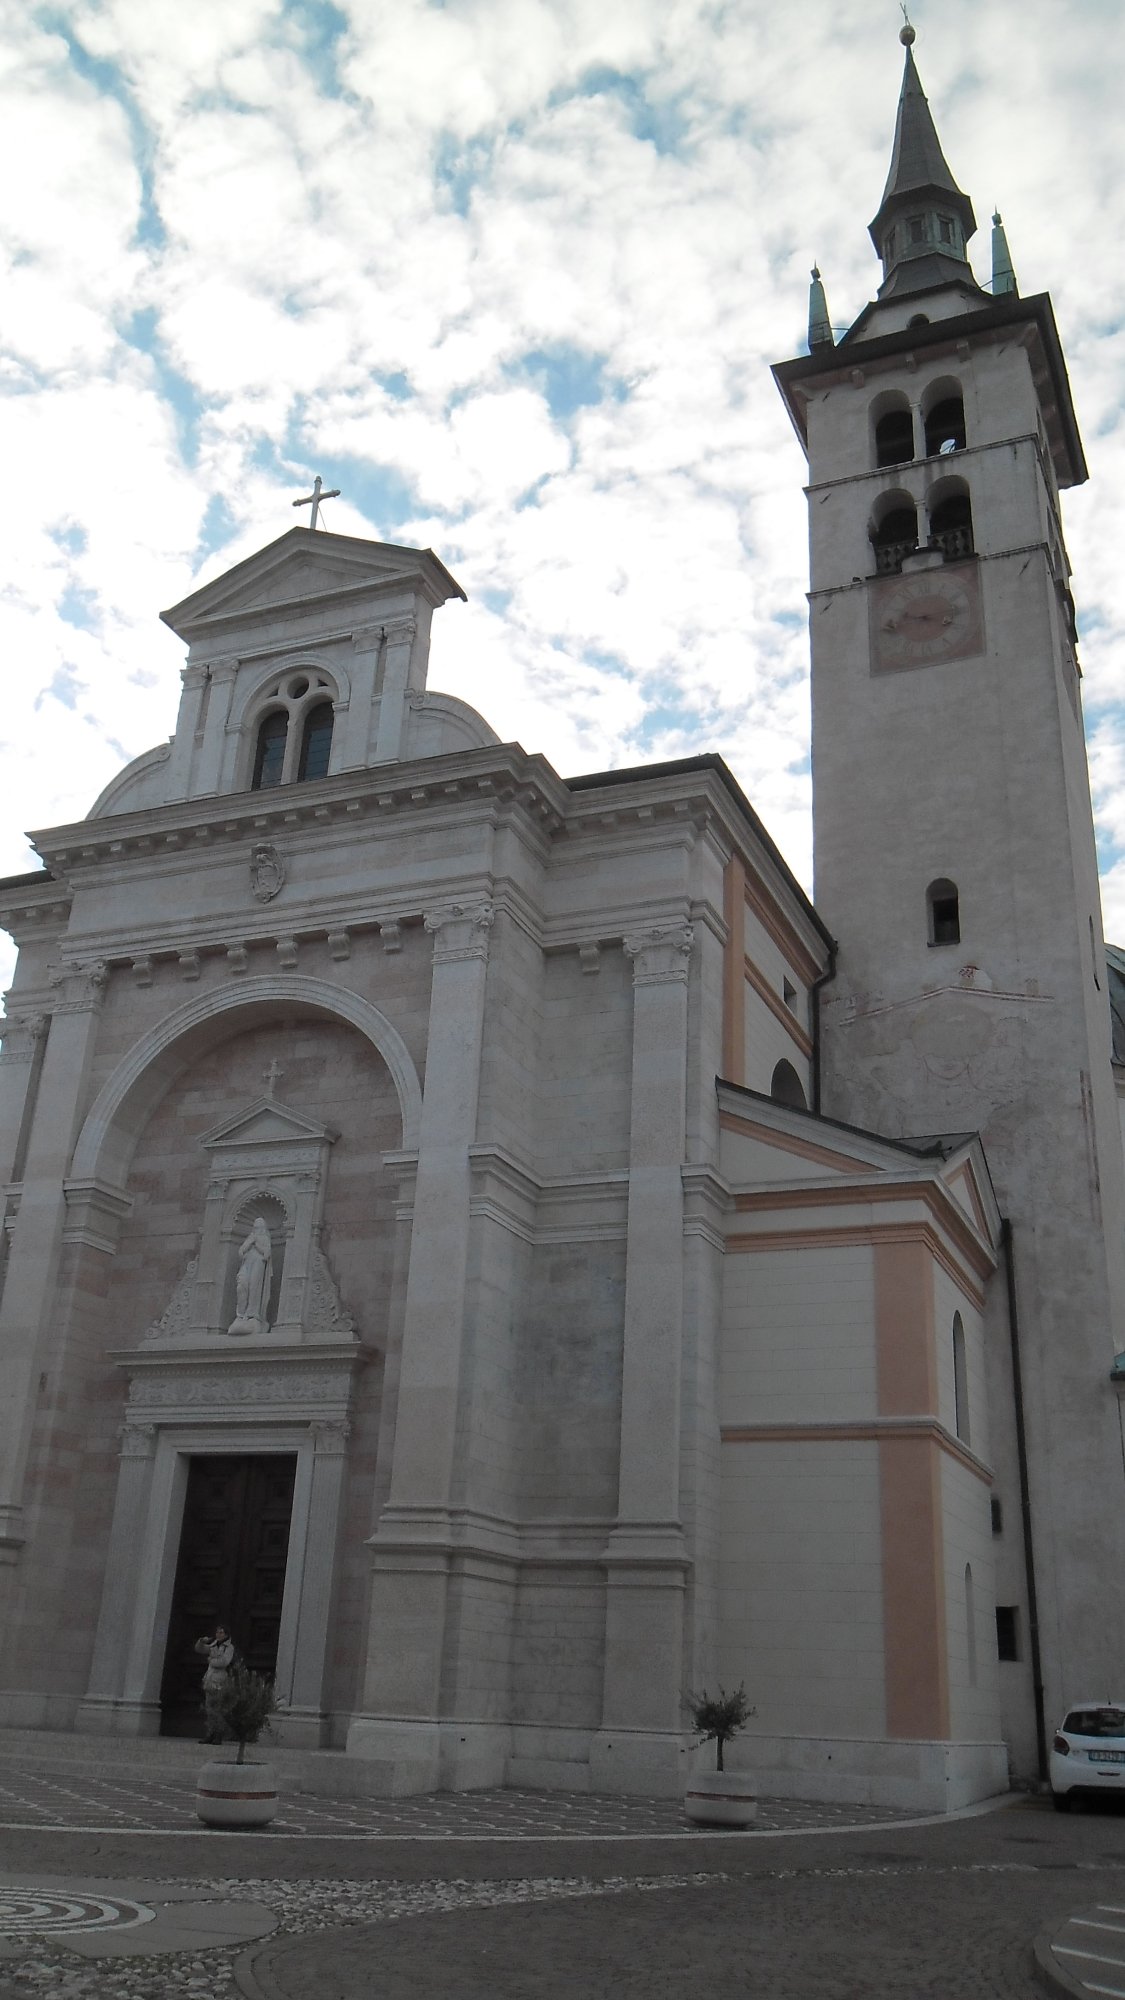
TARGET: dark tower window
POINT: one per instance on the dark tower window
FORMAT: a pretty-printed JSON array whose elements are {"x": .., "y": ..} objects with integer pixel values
[
  {"x": 943, "y": 913},
  {"x": 945, "y": 427},
  {"x": 894, "y": 437},
  {"x": 916, "y": 224},
  {"x": 786, "y": 1088},
  {"x": 269, "y": 756},
  {"x": 316, "y": 743},
  {"x": 895, "y": 537},
  {"x": 951, "y": 526},
  {"x": 1007, "y": 1632},
  {"x": 945, "y": 228}
]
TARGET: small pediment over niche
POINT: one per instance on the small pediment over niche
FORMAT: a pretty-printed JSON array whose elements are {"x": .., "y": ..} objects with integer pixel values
[
  {"x": 302, "y": 569},
  {"x": 267, "y": 1122}
]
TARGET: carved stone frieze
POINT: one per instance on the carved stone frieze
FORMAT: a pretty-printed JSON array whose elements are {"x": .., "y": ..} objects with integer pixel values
[
  {"x": 326, "y": 1314},
  {"x": 459, "y": 930},
  {"x": 267, "y": 872},
  {"x": 175, "y": 1320},
  {"x": 660, "y": 953},
  {"x": 214, "y": 1386},
  {"x": 22, "y": 1034},
  {"x": 78, "y": 989}
]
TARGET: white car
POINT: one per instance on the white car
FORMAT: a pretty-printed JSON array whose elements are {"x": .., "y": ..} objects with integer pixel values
[{"x": 1088, "y": 1753}]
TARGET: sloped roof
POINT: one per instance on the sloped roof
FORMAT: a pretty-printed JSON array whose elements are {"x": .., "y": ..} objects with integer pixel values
[{"x": 1115, "y": 963}]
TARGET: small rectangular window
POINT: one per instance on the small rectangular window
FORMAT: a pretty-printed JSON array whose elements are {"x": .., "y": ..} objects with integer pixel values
[
  {"x": 1007, "y": 1632},
  {"x": 997, "y": 1515},
  {"x": 917, "y": 227},
  {"x": 946, "y": 227}
]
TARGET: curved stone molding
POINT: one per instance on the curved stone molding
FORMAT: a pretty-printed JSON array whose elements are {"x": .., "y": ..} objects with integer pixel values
[
  {"x": 459, "y": 930},
  {"x": 659, "y": 953},
  {"x": 143, "y": 1075}
]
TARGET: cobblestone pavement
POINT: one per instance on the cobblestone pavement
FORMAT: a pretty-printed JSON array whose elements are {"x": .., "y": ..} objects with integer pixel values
[
  {"x": 942, "y": 1911},
  {"x": 86, "y": 1803}
]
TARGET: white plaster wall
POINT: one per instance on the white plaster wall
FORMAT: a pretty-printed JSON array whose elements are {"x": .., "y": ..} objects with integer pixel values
[
  {"x": 974, "y": 1697},
  {"x": 801, "y": 1586},
  {"x": 798, "y": 1336}
]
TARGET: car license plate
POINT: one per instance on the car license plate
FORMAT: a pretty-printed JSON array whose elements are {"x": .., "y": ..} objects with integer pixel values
[{"x": 1106, "y": 1756}]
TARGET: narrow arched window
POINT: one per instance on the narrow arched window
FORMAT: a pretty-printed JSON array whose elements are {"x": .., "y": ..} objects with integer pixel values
[
  {"x": 269, "y": 756},
  {"x": 951, "y": 525},
  {"x": 894, "y": 436},
  {"x": 786, "y": 1087},
  {"x": 945, "y": 426},
  {"x": 316, "y": 742},
  {"x": 960, "y": 1382},
  {"x": 943, "y": 912},
  {"x": 895, "y": 536}
]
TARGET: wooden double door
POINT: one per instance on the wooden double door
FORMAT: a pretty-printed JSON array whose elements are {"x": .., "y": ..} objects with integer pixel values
[{"x": 234, "y": 1545}]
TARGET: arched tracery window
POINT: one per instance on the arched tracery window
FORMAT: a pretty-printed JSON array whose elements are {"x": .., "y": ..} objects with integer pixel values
[
  {"x": 944, "y": 413},
  {"x": 269, "y": 752},
  {"x": 951, "y": 521},
  {"x": 894, "y": 431},
  {"x": 294, "y": 736},
  {"x": 316, "y": 742}
]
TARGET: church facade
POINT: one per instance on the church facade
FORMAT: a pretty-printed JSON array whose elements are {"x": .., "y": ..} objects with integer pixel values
[{"x": 489, "y": 1240}]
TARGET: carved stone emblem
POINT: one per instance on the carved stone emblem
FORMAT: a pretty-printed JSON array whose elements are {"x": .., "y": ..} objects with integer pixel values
[{"x": 267, "y": 872}]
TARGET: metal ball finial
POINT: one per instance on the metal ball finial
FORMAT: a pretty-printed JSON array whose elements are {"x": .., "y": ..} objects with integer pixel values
[{"x": 907, "y": 35}]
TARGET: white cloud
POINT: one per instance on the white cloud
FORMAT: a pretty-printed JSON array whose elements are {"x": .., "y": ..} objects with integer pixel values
[{"x": 349, "y": 280}]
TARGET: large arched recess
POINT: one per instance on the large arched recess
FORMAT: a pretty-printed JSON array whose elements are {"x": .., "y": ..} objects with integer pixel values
[{"x": 106, "y": 1141}]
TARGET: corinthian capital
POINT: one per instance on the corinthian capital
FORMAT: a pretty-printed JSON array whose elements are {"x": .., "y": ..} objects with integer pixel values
[
  {"x": 21, "y": 1035},
  {"x": 659, "y": 953},
  {"x": 460, "y": 930},
  {"x": 78, "y": 989}
]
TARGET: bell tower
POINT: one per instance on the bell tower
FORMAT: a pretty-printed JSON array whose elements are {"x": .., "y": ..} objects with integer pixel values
[{"x": 954, "y": 856}]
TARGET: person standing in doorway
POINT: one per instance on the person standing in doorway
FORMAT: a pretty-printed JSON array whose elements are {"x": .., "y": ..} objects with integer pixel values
[{"x": 219, "y": 1649}]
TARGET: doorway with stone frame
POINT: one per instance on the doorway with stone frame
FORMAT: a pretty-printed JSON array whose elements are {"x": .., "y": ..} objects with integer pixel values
[{"x": 230, "y": 1571}]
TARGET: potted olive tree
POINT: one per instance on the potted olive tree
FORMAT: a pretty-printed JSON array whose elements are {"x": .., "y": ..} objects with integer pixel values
[
  {"x": 719, "y": 1797},
  {"x": 232, "y": 1791}
]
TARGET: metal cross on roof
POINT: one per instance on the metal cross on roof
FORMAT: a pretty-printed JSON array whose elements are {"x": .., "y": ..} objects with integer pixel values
[{"x": 314, "y": 499}]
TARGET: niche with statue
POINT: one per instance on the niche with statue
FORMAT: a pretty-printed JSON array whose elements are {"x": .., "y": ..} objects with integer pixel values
[{"x": 261, "y": 1274}]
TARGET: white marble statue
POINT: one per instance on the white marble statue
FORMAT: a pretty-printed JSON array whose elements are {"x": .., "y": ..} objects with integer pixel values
[{"x": 255, "y": 1278}]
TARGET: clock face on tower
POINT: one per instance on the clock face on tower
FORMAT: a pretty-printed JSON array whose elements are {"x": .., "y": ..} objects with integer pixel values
[{"x": 930, "y": 616}]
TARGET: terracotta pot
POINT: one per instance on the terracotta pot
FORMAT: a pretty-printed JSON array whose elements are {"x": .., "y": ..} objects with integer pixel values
[
  {"x": 721, "y": 1798},
  {"x": 229, "y": 1794}
]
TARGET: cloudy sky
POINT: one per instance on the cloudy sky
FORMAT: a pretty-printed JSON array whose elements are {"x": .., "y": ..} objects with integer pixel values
[{"x": 510, "y": 273}]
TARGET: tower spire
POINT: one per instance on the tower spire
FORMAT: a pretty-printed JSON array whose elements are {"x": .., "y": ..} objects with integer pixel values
[
  {"x": 924, "y": 220},
  {"x": 820, "y": 326},
  {"x": 1003, "y": 276}
]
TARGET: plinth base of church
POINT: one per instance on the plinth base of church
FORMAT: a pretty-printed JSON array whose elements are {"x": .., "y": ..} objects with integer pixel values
[
  {"x": 915, "y": 1776},
  {"x": 431, "y": 1756}
]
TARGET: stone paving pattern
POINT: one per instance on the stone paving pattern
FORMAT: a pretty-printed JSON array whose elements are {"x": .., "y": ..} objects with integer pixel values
[{"x": 885, "y": 1912}]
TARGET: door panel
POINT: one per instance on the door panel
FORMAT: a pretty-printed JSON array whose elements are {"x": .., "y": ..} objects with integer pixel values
[{"x": 234, "y": 1545}]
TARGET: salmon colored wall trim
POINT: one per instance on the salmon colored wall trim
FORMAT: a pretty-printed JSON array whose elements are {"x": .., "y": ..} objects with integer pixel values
[
  {"x": 734, "y": 983},
  {"x": 915, "y": 1654},
  {"x": 789, "y": 1143},
  {"x": 777, "y": 1006},
  {"x": 937, "y": 1198},
  {"x": 924, "y": 1428},
  {"x": 905, "y": 1352},
  {"x": 796, "y": 953},
  {"x": 914, "y": 1640},
  {"x": 848, "y": 1235}
]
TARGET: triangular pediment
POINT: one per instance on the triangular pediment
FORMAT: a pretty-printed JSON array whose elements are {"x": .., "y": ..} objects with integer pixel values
[
  {"x": 266, "y": 1122},
  {"x": 303, "y": 569}
]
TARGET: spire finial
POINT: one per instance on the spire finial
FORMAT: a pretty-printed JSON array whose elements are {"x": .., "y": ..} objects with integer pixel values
[
  {"x": 1003, "y": 275},
  {"x": 908, "y": 33},
  {"x": 820, "y": 326}
]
